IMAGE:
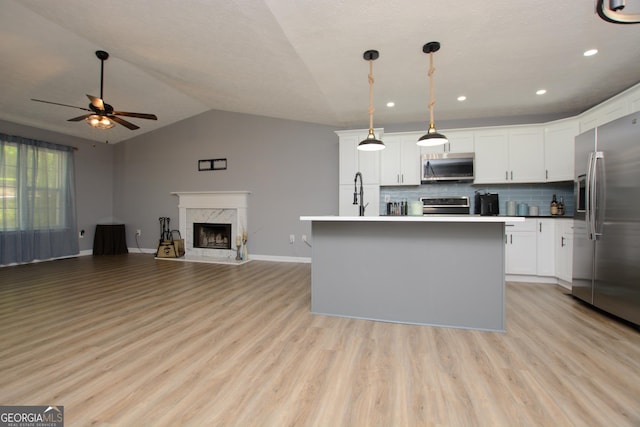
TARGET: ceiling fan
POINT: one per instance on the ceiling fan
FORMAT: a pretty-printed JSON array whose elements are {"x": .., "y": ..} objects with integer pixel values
[{"x": 102, "y": 115}]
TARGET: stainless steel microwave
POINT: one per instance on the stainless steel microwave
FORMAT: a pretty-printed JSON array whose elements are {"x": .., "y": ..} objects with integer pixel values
[{"x": 446, "y": 167}]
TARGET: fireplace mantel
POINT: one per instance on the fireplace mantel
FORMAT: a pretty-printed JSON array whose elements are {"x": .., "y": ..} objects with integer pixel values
[{"x": 211, "y": 206}]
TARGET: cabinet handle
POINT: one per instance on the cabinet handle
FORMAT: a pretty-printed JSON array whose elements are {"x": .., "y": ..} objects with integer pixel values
[
  {"x": 506, "y": 175},
  {"x": 505, "y": 239},
  {"x": 562, "y": 242},
  {"x": 511, "y": 175},
  {"x": 541, "y": 227},
  {"x": 402, "y": 178},
  {"x": 511, "y": 238},
  {"x": 546, "y": 174},
  {"x": 398, "y": 178}
]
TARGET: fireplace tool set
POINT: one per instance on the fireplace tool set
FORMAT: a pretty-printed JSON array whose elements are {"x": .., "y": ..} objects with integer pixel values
[{"x": 169, "y": 247}]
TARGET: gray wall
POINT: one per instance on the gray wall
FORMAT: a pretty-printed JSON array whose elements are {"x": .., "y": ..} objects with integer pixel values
[
  {"x": 290, "y": 168},
  {"x": 94, "y": 176}
]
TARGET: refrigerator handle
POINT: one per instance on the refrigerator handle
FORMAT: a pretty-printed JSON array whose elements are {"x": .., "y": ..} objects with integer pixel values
[
  {"x": 589, "y": 196},
  {"x": 599, "y": 194}
]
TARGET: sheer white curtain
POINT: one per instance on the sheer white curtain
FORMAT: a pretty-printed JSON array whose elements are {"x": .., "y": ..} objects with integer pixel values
[{"x": 37, "y": 200}]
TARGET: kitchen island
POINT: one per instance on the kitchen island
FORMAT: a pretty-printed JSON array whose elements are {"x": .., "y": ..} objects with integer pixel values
[{"x": 427, "y": 270}]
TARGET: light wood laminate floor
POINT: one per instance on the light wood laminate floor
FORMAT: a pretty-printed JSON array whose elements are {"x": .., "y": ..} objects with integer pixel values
[{"x": 128, "y": 340}]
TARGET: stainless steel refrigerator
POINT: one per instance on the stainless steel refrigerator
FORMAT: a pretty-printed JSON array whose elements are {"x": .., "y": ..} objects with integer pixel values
[{"x": 606, "y": 249}]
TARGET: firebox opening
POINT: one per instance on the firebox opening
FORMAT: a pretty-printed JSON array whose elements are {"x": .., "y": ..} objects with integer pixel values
[{"x": 211, "y": 236}]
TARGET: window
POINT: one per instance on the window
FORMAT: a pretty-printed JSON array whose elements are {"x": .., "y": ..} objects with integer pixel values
[{"x": 37, "y": 199}]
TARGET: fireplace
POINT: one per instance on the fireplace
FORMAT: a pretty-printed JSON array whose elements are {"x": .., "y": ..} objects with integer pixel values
[
  {"x": 223, "y": 214},
  {"x": 211, "y": 236}
]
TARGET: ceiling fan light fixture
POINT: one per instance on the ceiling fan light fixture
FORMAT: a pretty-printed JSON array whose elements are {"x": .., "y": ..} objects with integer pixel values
[
  {"x": 371, "y": 143},
  {"x": 432, "y": 137},
  {"x": 100, "y": 122}
]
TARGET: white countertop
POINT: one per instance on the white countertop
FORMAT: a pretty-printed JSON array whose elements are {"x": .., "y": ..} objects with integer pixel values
[{"x": 426, "y": 218}]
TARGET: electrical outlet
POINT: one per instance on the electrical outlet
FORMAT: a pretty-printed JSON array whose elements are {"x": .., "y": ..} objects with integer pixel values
[
  {"x": 292, "y": 238},
  {"x": 81, "y": 234},
  {"x": 138, "y": 232},
  {"x": 387, "y": 198}
]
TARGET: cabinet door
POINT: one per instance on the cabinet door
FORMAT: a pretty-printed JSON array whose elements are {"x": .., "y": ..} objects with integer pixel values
[
  {"x": 546, "y": 247},
  {"x": 492, "y": 157},
  {"x": 371, "y": 201},
  {"x": 564, "y": 250},
  {"x": 400, "y": 161},
  {"x": 460, "y": 142},
  {"x": 526, "y": 155},
  {"x": 391, "y": 161},
  {"x": 559, "y": 150},
  {"x": 520, "y": 253},
  {"x": 410, "y": 161},
  {"x": 352, "y": 160},
  {"x": 348, "y": 158}
]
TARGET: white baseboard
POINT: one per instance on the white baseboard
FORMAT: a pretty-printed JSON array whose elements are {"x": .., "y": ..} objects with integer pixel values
[
  {"x": 275, "y": 258},
  {"x": 530, "y": 279}
]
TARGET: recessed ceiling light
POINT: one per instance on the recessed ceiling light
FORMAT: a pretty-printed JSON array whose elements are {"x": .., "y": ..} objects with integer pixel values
[
  {"x": 462, "y": 98},
  {"x": 590, "y": 52},
  {"x": 391, "y": 104},
  {"x": 541, "y": 92}
]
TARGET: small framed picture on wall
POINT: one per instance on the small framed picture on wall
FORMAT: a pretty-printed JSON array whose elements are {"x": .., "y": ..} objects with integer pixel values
[{"x": 212, "y": 164}]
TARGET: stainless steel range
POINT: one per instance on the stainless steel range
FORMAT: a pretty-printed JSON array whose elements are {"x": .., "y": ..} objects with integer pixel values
[{"x": 445, "y": 205}]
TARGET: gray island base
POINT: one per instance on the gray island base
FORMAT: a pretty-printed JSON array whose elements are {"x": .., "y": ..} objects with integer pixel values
[{"x": 434, "y": 270}]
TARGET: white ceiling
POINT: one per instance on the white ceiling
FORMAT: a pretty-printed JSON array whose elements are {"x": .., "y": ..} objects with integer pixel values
[{"x": 302, "y": 59}]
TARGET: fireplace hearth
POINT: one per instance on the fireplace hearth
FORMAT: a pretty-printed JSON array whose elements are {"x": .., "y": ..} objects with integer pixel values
[{"x": 211, "y": 236}]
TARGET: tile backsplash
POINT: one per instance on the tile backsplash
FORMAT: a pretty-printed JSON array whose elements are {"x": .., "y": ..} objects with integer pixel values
[{"x": 532, "y": 194}]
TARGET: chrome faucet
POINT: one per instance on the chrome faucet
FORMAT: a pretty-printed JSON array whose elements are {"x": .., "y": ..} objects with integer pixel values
[{"x": 357, "y": 193}]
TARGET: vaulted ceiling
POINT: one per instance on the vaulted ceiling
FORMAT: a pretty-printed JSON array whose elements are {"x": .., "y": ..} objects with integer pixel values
[{"x": 302, "y": 60}]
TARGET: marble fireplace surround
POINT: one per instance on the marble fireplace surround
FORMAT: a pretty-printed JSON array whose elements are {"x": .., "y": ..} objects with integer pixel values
[{"x": 216, "y": 207}]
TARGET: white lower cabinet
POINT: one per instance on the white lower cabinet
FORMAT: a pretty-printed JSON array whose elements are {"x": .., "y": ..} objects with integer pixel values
[
  {"x": 545, "y": 244},
  {"x": 564, "y": 250},
  {"x": 521, "y": 248},
  {"x": 530, "y": 247}
]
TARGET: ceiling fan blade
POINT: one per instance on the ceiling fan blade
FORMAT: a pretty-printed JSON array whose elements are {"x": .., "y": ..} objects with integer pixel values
[
  {"x": 57, "y": 103},
  {"x": 137, "y": 115},
  {"x": 124, "y": 122},
  {"x": 96, "y": 102},
  {"x": 79, "y": 118}
]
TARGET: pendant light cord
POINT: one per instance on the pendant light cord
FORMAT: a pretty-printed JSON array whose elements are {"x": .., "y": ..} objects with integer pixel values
[
  {"x": 371, "y": 81},
  {"x": 432, "y": 99}
]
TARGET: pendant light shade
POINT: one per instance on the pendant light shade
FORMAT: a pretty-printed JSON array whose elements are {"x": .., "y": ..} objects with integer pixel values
[
  {"x": 371, "y": 143},
  {"x": 432, "y": 137}
]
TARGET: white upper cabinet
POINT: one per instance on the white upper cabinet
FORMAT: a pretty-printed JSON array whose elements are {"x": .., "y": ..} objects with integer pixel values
[
  {"x": 559, "y": 150},
  {"x": 492, "y": 156},
  {"x": 460, "y": 141},
  {"x": 526, "y": 154},
  {"x": 509, "y": 155},
  {"x": 400, "y": 160},
  {"x": 353, "y": 160}
]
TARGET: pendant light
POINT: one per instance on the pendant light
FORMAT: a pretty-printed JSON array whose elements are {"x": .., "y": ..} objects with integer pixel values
[
  {"x": 432, "y": 137},
  {"x": 371, "y": 143}
]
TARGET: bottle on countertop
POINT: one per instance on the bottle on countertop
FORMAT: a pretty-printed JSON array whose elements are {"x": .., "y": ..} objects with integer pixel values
[
  {"x": 561, "y": 206},
  {"x": 554, "y": 205}
]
